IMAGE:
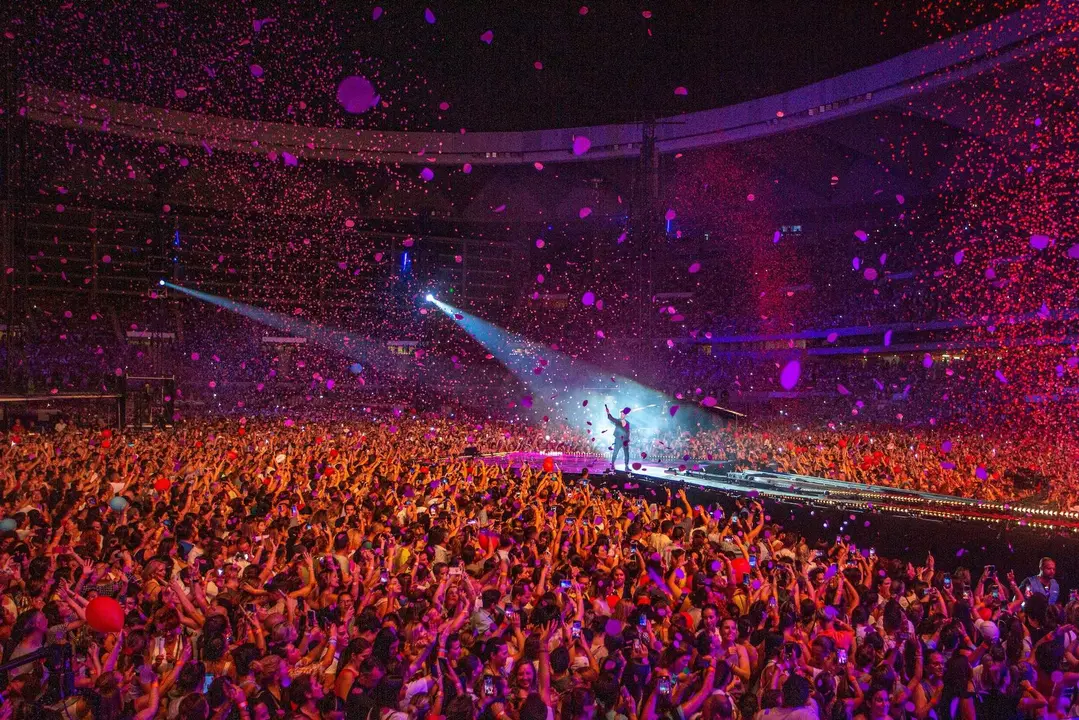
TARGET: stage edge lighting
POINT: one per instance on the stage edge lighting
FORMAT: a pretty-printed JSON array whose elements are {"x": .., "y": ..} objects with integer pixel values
[{"x": 429, "y": 297}]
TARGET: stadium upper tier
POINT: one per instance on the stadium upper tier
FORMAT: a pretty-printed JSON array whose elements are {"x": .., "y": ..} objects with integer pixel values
[{"x": 916, "y": 82}]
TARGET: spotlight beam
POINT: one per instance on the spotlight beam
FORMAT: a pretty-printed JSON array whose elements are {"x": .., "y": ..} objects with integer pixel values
[{"x": 572, "y": 389}]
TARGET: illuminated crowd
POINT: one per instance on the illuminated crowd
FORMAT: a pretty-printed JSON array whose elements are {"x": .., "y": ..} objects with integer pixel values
[{"x": 361, "y": 569}]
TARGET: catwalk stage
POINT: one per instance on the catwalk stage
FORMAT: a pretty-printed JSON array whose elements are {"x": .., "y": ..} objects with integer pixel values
[{"x": 710, "y": 477}]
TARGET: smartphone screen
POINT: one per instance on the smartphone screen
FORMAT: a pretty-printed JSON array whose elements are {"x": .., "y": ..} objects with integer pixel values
[
  {"x": 664, "y": 686},
  {"x": 753, "y": 561},
  {"x": 207, "y": 680},
  {"x": 575, "y": 631},
  {"x": 841, "y": 656},
  {"x": 488, "y": 685}
]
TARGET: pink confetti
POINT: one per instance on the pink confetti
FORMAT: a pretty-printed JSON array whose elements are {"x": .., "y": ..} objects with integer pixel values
[
  {"x": 669, "y": 215},
  {"x": 927, "y": 361},
  {"x": 788, "y": 377},
  {"x": 429, "y": 16},
  {"x": 958, "y": 259},
  {"x": 357, "y": 95},
  {"x": 584, "y": 212},
  {"x": 487, "y": 37},
  {"x": 870, "y": 274},
  {"x": 589, "y": 298},
  {"x": 1040, "y": 242},
  {"x": 180, "y": 93},
  {"x": 694, "y": 268},
  {"x": 538, "y": 65},
  {"x": 376, "y": 13},
  {"x": 709, "y": 401},
  {"x": 466, "y": 168},
  {"x": 427, "y": 174},
  {"x": 540, "y": 243},
  {"x": 581, "y": 145},
  {"x": 673, "y": 409},
  {"x": 861, "y": 235},
  {"x": 681, "y": 91},
  {"x": 256, "y": 71},
  {"x": 1000, "y": 376},
  {"x": 776, "y": 236},
  {"x": 106, "y": 259},
  {"x": 832, "y": 337}
]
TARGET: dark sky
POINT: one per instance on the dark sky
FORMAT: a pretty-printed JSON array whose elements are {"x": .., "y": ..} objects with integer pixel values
[{"x": 611, "y": 64}]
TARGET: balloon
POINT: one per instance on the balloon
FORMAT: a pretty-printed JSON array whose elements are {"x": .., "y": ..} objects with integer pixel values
[
  {"x": 548, "y": 464},
  {"x": 8, "y": 524},
  {"x": 105, "y": 615},
  {"x": 162, "y": 484},
  {"x": 106, "y": 444},
  {"x": 119, "y": 504}
]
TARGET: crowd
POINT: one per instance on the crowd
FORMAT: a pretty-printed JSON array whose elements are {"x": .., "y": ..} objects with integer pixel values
[
  {"x": 365, "y": 569},
  {"x": 997, "y": 466}
]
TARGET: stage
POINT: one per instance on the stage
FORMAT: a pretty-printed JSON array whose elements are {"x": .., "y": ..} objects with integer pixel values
[{"x": 707, "y": 476}]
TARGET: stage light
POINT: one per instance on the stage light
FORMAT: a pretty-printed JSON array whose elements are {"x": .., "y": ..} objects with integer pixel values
[
  {"x": 429, "y": 297},
  {"x": 161, "y": 282}
]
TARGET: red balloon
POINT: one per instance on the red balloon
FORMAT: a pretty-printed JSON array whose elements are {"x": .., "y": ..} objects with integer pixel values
[
  {"x": 548, "y": 464},
  {"x": 162, "y": 484},
  {"x": 105, "y": 615},
  {"x": 106, "y": 444}
]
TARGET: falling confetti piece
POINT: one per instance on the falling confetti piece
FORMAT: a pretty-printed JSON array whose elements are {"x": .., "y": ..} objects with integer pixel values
[
  {"x": 588, "y": 298},
  {"x": 1040, "y": 242},
  {"x": 861, "y": 235},
  {"x": 581, "y": 145},
  {"x": 694, "y": 268},
  {"x": 788, "y": 377},
  {"x": 357, "y": 95},
  {"x": 487, "y": 37},
  {"x": 429, "y": 16}
]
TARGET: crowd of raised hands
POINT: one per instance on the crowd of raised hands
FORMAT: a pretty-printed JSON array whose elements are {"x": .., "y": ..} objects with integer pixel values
[{"x": 364, "y": 569}]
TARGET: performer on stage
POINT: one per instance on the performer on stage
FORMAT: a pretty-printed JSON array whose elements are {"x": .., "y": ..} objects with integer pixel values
[{"x": 621, "y": 436}]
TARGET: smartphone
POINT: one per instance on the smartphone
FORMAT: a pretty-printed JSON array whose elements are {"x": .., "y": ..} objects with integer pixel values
[
  {"x": 454, "y": 571},
  {"x": 746, "y": 580},
  {"x": 771, "y": 602},
  {"x": 642, "y": 620},
  {"x": 509, "y": 611},
  {"x": 995, "y": 592},
  {"x": 384, "y": 577},
  {"x": 753, "y": 561},
  {"x": 664, "y": 686},
  {"x": 311, "y": 619},
  {"x": 947, "y": 581},
  {"x": 729, "y": 539},
  {"x": 841, "y": 656},
  {"x": 634, "y": 546},
  {"x": 570, "y": 520},
  {"x": 220, "y": 572},
  {"x": 565, "y": 584},
  {"x": 207, "y": 680},
  {"x": 575, "y": 630},
  {"x": 1073, "y": 595},
  {"x": 872, "y": 552},
  {"x": 488, "y": 686}
]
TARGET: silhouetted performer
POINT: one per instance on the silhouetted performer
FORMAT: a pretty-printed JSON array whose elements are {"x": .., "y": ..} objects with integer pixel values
[{"x": 621, "y": 436}]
